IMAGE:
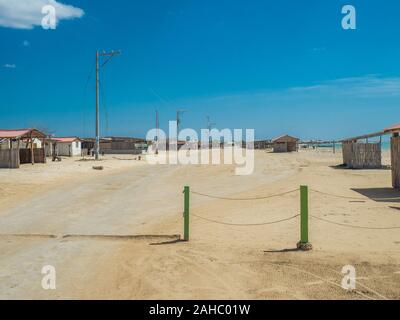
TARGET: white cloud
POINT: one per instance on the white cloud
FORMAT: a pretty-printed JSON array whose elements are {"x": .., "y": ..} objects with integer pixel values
[
  {"x": 26, "y": 14},
  {"x": 363, "y": 87},
  {"x": 10, "y": 66}
]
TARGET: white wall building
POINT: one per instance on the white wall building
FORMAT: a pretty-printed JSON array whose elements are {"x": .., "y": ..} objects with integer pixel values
[{"x": 69, "y": 147}]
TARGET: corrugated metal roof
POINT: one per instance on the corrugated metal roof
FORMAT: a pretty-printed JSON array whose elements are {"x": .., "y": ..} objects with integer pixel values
[
  {"x": 66, "y": 140},
  {"x": 20, "y": 133},
  {"x": 394, "y": 128}
]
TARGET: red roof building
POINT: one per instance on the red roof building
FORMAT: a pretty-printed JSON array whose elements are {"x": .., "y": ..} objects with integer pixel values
[
  {"x": 17, "y": 152},
  {"x": 394, "y": 128}
]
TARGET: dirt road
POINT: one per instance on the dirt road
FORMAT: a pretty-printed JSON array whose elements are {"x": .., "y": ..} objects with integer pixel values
[{"x": 221, "y": 260}]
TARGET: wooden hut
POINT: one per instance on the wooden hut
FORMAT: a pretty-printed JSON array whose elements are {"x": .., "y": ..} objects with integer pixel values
[
  {"x": 285, "y": 143},
  {"x": 395, "y": 154},
  {"x": 21, "y": 146},
  {"x": 360, "y": 153}
]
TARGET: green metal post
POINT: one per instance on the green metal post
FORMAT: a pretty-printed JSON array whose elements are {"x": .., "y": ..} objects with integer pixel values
[
  {"x": 304, "y": 214},
  {"x": 186, "y": 214}
]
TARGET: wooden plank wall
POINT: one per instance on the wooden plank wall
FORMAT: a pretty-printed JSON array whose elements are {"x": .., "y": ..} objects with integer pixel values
[
  {"x": 362, "y": 155},
  {"x": 395, "y": 155},
  {"x": 9, "y": 158},
  {"x": 38, "y": 154},
  {"x": 347, "y": 152},
  {"x": 292, "y": 146},
  {"x": 280, "y": 147}
]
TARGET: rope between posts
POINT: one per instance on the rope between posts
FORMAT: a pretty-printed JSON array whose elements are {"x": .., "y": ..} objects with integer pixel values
[
  {"x": 352, "y": 198},
  {"x": 244, "y": 199},
  {"x": 353, "y": 226},
  {"x": 245, "y": 224}
]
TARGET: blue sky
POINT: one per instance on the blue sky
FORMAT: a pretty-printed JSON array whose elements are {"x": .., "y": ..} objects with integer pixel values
[{"x": 275, "y": 66}]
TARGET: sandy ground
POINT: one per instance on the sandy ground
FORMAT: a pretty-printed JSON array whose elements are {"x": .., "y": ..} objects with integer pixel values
[{"x": 47, "y": 212}]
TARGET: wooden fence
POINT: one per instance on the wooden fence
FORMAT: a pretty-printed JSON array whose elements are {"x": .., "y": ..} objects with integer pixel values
[
  {"x": 362, "y": 155},
  {"x": 38, "y": 155},
  {"x": 9, "y": 158}
]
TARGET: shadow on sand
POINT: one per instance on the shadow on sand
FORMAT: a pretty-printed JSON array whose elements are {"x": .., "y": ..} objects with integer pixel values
[
  {"x": 380, "y": 194},
  {"x": 167, "y": 242},
  {"x": 344, "y": 167},
  {"x": 282, "y": 250}
]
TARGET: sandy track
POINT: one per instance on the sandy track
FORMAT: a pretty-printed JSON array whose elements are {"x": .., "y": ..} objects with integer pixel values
[{"x": 220, "y": 261}]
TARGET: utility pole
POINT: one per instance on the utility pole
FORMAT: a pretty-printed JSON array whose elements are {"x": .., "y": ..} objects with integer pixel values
[
  {"x": 98, "y": 55},
  {"x": 157, "y": 131},
  {"x": 97, "y": 143},
  {"x": 210, "y": 124},
  {"x": 209, "y": 127},
  {"x": 178, "y": 122},
  {"x": 157, "y": 125}
]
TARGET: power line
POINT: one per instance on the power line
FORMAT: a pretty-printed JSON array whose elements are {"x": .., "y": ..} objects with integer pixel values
[
  {"x": 352, "y": 198},
  {"x": 104, "y": 104},
  {"x": 354, "y": 226},
  {"x": 89, "y": 77}
]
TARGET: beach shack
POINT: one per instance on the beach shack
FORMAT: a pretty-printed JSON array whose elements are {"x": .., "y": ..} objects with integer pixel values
[
  {"x": 285, "y": 143},
  {"x": 21, "y": 146},
  {"x": 395, "y": 153},
  {"x": 362, "y": 153}
]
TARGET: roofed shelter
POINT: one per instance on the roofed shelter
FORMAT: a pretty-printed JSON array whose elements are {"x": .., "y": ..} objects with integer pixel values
[
  {"x": 285, "y": 143},
  {"x": 362, "y": 155},
  {"x": 11, "y": 153}
]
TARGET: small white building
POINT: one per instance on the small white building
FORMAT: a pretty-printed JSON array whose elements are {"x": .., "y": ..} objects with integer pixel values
[{"x": 68, "y": 147}]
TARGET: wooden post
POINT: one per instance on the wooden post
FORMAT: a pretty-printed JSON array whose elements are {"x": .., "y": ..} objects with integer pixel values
[
  {"x": 19, "y": 159},
  {"x": 186, "y": 214},
  {"x": 44, "y": 150},
  {"x": 395, "y": 158},
  {"x": 32, "y": 153},
  {"x": 10, "y": 155}
]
